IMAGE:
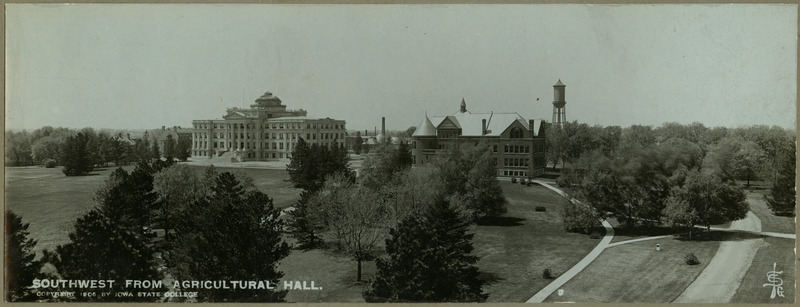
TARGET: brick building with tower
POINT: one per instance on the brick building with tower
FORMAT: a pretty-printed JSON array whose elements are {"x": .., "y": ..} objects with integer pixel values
[
  {"x": 517, "y": 145},
  {"x": 266, "y": 131}
]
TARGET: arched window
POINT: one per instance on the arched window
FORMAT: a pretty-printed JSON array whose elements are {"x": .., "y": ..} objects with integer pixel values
[{"x": 516, "y": 133}]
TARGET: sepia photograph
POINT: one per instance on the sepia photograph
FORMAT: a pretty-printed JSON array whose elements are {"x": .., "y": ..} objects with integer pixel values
[{"x": 400, "y": 153}]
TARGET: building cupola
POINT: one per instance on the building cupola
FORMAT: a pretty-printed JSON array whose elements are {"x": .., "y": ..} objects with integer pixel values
[{"x": 463, "y": 105}]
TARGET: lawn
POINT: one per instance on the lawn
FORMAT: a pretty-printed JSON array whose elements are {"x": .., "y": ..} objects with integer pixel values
[
  {"x": 637, "y": 273},
  {"x": 335, "y": 273},
  {"x": 273, "y": 182},
  {"x": 50, "y": 201},
  {"x": 769, "y": 221},
  {"x": 520, "y": 245},
  {"x": 774, "y": 251}
]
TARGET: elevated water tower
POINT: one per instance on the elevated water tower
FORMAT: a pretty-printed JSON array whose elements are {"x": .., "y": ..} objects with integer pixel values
[{"x": 559, "y": 109}]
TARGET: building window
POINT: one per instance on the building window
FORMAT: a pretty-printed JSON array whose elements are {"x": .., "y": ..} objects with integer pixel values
[{"x": 516, "y": 133}]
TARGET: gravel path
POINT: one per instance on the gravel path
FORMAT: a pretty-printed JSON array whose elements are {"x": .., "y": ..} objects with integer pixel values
[{"x": 724, "y": 273}]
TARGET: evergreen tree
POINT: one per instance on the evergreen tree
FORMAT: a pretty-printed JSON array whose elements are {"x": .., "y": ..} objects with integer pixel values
[
  {"x": 169, "y": 147},
  {"x": 429, "y": 260},
  {"x": 358, "y": 143},
  {"x": 129, "y": 199},
  {"x": 101, "y": 249},
  {"x": 76, "y": 158},
  {"x": 782, "y": 201},
  {"x": 301, "y": 166},
  {"x": 233, "y": 235},
  {"x": 403, "y": 157},
  {"x": 21, "y": 266},
  {"x": 155, "y": 151},
  {"x": 183, "y": 149},
  {"x": 306, "y": 232},
  {"x": 310, "y": 165}
]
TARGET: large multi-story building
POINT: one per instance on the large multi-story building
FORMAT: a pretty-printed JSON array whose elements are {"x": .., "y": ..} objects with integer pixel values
[
  {"x": 517, "y": 146},
  {"x": 265, "y": 131}
]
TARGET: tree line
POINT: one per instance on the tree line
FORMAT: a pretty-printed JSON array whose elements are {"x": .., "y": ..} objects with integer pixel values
[
  {"x": 677, "y": 175},
  {"x": 83, "y": 149}
]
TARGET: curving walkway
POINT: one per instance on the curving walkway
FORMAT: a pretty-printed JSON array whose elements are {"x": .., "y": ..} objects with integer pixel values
[
  {"x": 577, "y": 268},
  {"x": 724, "y": 273}
]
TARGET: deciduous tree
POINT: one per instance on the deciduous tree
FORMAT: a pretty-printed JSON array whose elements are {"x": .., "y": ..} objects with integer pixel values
[{"x": 783, "y": 198}]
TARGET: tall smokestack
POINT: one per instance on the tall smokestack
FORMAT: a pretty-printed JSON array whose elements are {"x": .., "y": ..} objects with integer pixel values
[
  {"x": 483, "y": 127},
  {"x": 383, "y": 126}
]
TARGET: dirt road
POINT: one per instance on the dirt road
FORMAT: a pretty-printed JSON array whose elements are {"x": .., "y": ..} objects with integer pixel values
[{"x": 723, "y": 275}]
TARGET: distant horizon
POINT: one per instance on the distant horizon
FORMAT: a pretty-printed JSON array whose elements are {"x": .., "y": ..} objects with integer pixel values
[{"x": 153, "y": 65}]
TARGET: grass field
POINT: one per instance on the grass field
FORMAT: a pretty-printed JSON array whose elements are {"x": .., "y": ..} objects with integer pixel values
[
  {"x": 769, "y": 221},
  {"x": 637, "y": 273},
  {"x": 774, "y": 251},
  {"x": 520, "y": 245},
  {"x": 50, "y": 201}
]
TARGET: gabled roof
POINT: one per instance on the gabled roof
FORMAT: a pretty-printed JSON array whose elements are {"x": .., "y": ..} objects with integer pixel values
[{"x": 472, "y": 123}]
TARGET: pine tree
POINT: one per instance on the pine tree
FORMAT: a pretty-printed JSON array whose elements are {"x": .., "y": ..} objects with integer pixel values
[
  {"x": 430, "y": 260},
  {"x": 306, "y": 232},
  {"x": 129, "y": 198},
  {"x": 782, "y": 201},
  {"x": 358, "y": 143},
  {"x": 234, "y": 235},
  {"x": 21, "y": 266},
  {"x": 155, "y": 151},
  {"x": 101, "y": 249},
  {"x": 403, "y": 157},
  {"x": 76, "y": 158}
]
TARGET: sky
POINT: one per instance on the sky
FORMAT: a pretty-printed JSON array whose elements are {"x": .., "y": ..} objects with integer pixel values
[{"x": 143, "y": 66}]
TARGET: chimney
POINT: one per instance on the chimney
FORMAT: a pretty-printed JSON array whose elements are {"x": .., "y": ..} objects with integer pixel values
[
  {"x": 530, "y": 127},
  {"x": 483, "y": 127},
  {"x": 383, "y": 126},
  {"x": 366, "y": 132},
  {"x": 129, "y": 136}
]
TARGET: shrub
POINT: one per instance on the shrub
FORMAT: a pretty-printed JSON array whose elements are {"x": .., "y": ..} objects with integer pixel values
[
  {"x": 522, "y": 181},
  {"x": 49, "y": 163},
  {"x": 579, "y": 217},
  {"x": 595, "y": 235},
  {"x": 513, "y": 179},
  {"x": 548, "y": 274},
  {"x": 691, "y": 259},
  {"x": 540, "y": 209}
]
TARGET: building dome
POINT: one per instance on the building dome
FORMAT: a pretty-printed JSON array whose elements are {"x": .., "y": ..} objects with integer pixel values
[{"x": 425, "y": 128}]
